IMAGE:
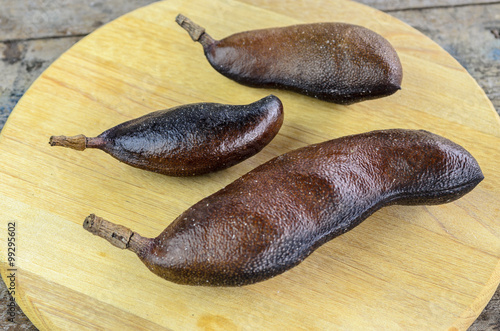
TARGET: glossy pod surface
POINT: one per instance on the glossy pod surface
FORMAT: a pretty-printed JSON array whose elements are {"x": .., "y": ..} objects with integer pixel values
[
  {"x": 272, "y": 218},
  {"x": 336, "y": 62},
  {"x": 190, "y": 139}
]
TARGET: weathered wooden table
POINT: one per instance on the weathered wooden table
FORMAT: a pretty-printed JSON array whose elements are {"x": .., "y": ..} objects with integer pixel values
[{"x": 34, "y": 33}]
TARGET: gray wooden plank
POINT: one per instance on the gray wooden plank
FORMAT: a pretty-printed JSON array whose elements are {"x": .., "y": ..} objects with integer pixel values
[
  {"x": 22, "y": 62},
  {"x": 390, "y": 5},
  {"x": 22, "y": 19},
  {"x": 490, "y": 317},
  {"x": 21, "y": 321},
  {"x": 470, "y": 34},
  {"x": 48, "y": 18}
]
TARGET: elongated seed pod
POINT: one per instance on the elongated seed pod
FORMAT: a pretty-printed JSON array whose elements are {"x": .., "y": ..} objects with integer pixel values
[
  {"x": 336, "y": 62},
  {"x": 272, "y": 218},
  {"x": 188, "y": 140}
]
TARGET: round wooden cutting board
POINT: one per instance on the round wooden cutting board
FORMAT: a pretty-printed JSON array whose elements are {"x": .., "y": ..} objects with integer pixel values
[{"x": 405, "y": 267}]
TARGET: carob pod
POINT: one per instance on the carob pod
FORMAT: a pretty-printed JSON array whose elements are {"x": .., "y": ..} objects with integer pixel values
[
  {"x": 336, "y": 62},
  {"x": 190, "y": 139},
  {"x": 272, "y": 218}
]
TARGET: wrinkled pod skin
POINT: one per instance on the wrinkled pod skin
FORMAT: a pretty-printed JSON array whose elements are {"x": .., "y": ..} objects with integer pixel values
[
  {"x": 190, "y": 139},
  {"x": 335, "y": 62},
  {"x": 272, "y": 218}
]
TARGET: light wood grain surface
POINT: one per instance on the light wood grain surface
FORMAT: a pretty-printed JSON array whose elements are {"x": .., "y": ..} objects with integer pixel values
[{"x": 468, "y": 125}]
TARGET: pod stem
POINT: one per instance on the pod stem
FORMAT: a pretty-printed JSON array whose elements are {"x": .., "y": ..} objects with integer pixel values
[
  {"x": 116, "y": 234},
  {"x": 78, "y": 142},
  {"x": 196, "y": 32}
]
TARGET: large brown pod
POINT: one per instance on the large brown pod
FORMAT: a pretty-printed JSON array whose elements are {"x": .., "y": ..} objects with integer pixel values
[
  {"x": 272, "y": 218},
  {"x": 190, "y": 139},
  {"x": 337, "y": 62}
]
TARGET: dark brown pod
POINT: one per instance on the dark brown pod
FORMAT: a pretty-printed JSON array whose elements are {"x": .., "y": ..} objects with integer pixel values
[
  {"x": 272, "y": 218},
  {"x": 336, "y": 62},
  {"x": 188, "y": 140}
]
